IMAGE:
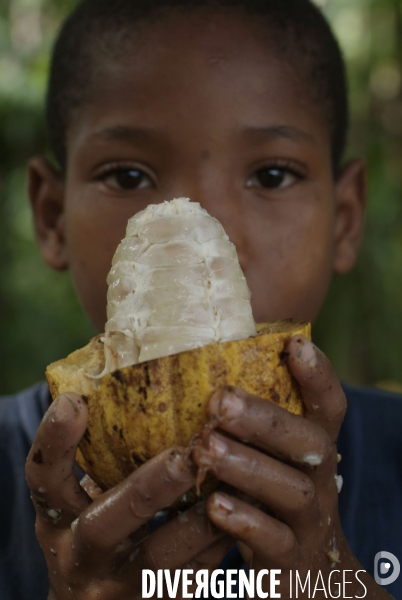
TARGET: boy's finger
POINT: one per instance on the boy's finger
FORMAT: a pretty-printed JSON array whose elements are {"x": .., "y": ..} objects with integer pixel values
[
  {"x": 288, "y": 492},
  {"x": 272, "y": 540},
  {"x": 55, "y": 490},
  {"x": 270, "y": 427},
  {"x": 180, "y": 540},
  {"x": 117, "y": 513},
  {"x": 323, "y": 397},
  {"x": 213, "y": 555}
]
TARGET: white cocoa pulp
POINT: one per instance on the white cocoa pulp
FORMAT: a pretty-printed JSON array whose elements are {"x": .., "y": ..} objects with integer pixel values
[{"x": 175, "y": 284}]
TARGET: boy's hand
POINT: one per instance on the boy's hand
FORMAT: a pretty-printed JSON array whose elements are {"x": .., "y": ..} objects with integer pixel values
[
  {"x": 98, "y": 549},
  {"x": 286, "y": 514}
]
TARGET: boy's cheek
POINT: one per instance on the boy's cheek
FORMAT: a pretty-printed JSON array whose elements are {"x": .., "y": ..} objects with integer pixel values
[
  {"x": 89, "y": 265},
  {"x": 92, "y": 236},
  {"x": 289, "y": 268},
  {"x": 288, "y": 293}
]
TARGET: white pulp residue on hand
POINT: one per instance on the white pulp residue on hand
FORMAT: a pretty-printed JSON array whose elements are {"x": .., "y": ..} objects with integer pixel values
[
  {"x": 175, "y": 284},
  {"x": 313, "y": 459},
  {"x": 338, "y": 482}
]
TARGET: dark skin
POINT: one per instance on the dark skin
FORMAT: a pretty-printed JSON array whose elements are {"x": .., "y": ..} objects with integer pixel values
[{"x": 235, "y": 129}]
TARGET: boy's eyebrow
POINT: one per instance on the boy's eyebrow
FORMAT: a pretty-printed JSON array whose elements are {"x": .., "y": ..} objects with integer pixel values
[
  {"x": 125, "y": 133},
  {"x": 135, "y": 134},
  {"x": 289, "y": 132}
]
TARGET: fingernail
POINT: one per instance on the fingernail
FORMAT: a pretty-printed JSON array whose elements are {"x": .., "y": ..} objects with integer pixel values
[
  {"x": 223, "y": 507},
  {"x": 231, "y": 405},
  {"x": 215, "y": 403},
  {"x": 178, "y": 467},
  {"x": 217, "y": 446},
  {"x": 64, "y": 408},
  {"x": 207, "y": 456},
  {"x": 307, "y": 354}
]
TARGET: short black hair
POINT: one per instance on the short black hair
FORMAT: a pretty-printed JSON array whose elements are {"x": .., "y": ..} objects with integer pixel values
[{"x": 101, "y": 28}]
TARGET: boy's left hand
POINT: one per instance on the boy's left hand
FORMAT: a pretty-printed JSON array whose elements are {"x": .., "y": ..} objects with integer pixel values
[{"x": 284, "y": 466}]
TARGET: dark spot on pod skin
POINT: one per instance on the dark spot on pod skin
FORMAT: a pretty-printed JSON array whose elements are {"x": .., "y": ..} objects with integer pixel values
[
  {"x": 287, "y": 398},
  {"x": 37, "y": 457},
  {"x": 274, "y": 395},
  {"x": 137, "y": 460},
  {"x": 85, "y": 398},
  {"x": 283, "y": 357},
  {"x": 87, "y": 436},
  {"x": 147, "y": 378},
  {"x": 274, "y": 423},
  {"x": 114, "y": 427},
  {"x": 118, "y": 376},
  {"x": 121, "y": 434},
  {"x": 143, "y": 390}
]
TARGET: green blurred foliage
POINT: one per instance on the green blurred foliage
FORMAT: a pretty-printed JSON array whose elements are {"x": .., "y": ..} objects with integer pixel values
[
  {"x": 360, "y": 326},
  {"x": 40, "y": 318}
]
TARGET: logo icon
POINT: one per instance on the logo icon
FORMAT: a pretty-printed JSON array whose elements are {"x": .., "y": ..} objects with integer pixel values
[{"x": 382, "y": 568}]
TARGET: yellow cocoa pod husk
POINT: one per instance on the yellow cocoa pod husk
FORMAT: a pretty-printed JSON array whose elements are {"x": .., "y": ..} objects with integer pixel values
[{"x": 136, "y": 412}]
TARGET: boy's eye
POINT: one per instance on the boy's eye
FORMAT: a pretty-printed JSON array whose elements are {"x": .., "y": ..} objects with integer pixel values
[
  {"x": 272, "y": 178},
  {"x": 127, "y": 179}
]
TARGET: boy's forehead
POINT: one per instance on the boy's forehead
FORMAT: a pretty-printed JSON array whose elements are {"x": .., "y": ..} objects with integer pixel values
[
  {"x": 218, "y": 69},
  {"x": 214, "y": 34}
]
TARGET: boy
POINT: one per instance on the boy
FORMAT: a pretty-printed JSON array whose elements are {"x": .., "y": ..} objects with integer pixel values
[{"x": 242, "y": 107}]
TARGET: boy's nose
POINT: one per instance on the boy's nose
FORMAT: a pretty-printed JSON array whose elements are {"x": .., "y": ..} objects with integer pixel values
[{"x": 223, "y": 205}]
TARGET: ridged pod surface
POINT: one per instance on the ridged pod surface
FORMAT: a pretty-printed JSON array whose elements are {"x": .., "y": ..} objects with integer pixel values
[{"x": 138, "y": 411}]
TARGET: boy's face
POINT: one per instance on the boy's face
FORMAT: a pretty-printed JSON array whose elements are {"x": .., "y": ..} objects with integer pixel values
[{"x": 204, "y": 108}]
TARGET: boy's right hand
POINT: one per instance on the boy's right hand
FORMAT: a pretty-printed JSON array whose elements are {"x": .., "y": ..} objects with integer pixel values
[{"x": 98, "y": 549}]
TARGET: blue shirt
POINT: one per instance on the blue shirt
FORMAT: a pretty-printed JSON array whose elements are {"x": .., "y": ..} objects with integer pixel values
[{"x": 370, "y": 502}]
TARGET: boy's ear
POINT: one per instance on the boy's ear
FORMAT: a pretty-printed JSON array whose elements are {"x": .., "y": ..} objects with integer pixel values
[
  {"x": 46, "y": 194},
  {"x": 351, "y": 191}
]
